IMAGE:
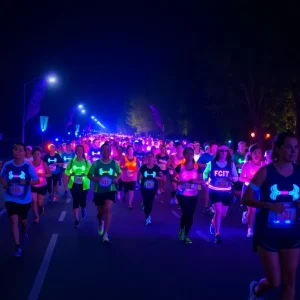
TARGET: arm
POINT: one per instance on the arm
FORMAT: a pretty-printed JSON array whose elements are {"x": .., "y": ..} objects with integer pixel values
[
  {"x": 160, "y": 174},
  {"x": 243, "y": 176},
  {"x": 235, "y": 176},
  {"x": 170, "y": 163},
  {"x": 207, "y": 171},
  {"x": 48, "y": 172},
  {"x": 34, "y": 177},
  {"x": 91, "y": 173}
]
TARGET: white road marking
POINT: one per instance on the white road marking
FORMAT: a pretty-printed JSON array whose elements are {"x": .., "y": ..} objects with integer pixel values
[
  {"x": 62, "y": 216},
  {"x": 175, "y": 214},
  {"x": 2, "y": 212},
  {"x": 68, "y": 200},
  {"x": 203, "y": 236},
  {"x": 161, "y": 201},
  {"x": 40, "y": 277}
]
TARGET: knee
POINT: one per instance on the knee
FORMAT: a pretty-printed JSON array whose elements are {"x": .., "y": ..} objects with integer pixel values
[{"x": 107, "y": 210}]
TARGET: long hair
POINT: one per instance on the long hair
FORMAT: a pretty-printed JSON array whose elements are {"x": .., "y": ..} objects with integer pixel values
[
  {"x": 228, "y": 156},
  {"x": 279, "y": 141}
]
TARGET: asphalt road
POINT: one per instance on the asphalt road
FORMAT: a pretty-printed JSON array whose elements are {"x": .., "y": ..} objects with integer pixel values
[{"x": 61, "y": 262}]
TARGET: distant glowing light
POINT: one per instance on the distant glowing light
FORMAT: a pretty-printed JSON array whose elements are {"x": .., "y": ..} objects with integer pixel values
[
  {"x": 52, "y": 79},
  {"x": 229, "y": 141},
  {"x": 268, "y": 135},
  {"x": 83, "y": 111},
  {"x": 92, "y": 117},
  {"x": 56, "y": 139},
  {"x": 69, "y": 132},
  {"x": 253, "y": 134},
  {"x": 43, "y": 130},
  {"x": 80, "y": 106}
]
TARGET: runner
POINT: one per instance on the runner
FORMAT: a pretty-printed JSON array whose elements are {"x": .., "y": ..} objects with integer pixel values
[
  {"x": 268, "y": 157},
  {"x": 129, "y": 167},
  {"x": 118, "y": 159},
  {"x": 187, "y": 176},
  {"x": 221, "y": 172},
  {"x": 38, "y": 191},
  {"x": 95, "y": 151},
  {"x": 150, "y": 174},
  {"x": 249, "y": 169},
  {"x": 77, "y": 170},
  {"x": 162, "y": 160},
  {"x": 18, "y": 176},
  {"x": 66, "y": 156},
  {"x": 277, "y": 224},
  {"x": 28, "y": 155},
  {"x": 54, "y": 161},
  {"x": 175, "y": 160},
  {"x": 105, "y": 172}
]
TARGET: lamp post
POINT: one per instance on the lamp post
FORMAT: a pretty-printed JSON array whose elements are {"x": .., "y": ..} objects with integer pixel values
[{"x": 50, "y": 79}]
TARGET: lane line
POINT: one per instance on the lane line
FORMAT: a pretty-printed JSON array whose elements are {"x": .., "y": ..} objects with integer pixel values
[
  {"x": 161, "y": 201},
  {"x": 2, "y": 211},
  {"x": 41, "y": 275},
  {"x": 68, "y": 200},
  {"x": 62, "y": 216},
  {"x": 175, "y": 214},
  {"x": 203, "y": 236}
]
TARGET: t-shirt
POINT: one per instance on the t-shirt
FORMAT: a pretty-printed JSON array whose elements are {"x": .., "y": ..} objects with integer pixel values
[
  {"x": 108, "y": 172},
  {"x": 140, "y": 156},
  {"x": 205, "y": 158},
  {"x": 53, "y": 159},
  {"x": 162, "y": 161},
  {"x": 67, "y": 157},
  {"x": 238, "y": 159},
  {"x": 12, "y": 174},
  {"x": 148, "y": 182}
]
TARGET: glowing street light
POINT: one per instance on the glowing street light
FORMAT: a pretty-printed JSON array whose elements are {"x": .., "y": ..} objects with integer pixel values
[
  {"x": 229, "y": 141},
  {"x": 92, "y": 117},
  {"x": 268, "y": 135},
  {"x": 51, "y": 79},
  {"x": 80, "y": 106},
  {"x": 253, "y": 134},
  {"x": 83, "y": 111}
]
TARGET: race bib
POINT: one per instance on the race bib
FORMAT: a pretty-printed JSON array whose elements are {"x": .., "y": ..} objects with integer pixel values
[
  {"x": 17, "y": 189},
  {"x": 284, "y": 220},
  {"x": 189, "y": 187},
  {"x": 78, "y": 179},
  {"x": 105, "y": 182},
  {"x": 65, "y": 165},
  {"x": 130, "y": 173},
  {"x": 52, "y": 168},
  {"x": 221, "y": 183},
  {"x": 149, "y": 184}
]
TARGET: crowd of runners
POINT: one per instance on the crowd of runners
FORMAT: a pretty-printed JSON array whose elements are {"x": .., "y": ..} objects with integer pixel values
[{"x": 116, "y": 167}]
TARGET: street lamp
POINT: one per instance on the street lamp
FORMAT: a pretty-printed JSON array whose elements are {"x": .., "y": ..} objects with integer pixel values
[
  {"x": 80, "y": 106},
  {"x": 83, "y": 111},
  {"x": 50, "y": 79}
]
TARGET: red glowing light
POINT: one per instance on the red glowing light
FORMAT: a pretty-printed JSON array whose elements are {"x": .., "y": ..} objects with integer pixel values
[
  {"x": 268, "y": 135},
  {"x": 252, "y": 134}
]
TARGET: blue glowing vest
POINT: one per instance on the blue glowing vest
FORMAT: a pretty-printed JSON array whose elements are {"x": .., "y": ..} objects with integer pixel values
[{"x": 220, "y": 178}]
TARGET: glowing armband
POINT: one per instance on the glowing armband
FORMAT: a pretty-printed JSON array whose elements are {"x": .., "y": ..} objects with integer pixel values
[{"x": 254, "y": 187}]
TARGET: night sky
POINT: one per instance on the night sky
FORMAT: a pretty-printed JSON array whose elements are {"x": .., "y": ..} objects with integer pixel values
[{"x": 104, "y": 57}]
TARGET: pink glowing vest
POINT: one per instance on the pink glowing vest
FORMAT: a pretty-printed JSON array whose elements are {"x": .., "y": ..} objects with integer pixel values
[
  {"x": 188, "y": 189},
  {"x": 40, "y": 170},
  {"x": 131, "y": 173}
]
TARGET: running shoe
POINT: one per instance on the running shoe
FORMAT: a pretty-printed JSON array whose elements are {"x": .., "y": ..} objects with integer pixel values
[
  {"x": 181, "y": 234},
  {"x": 217, "y": 239},
  {"x": 212, "y": 228},
  {"x": 105, "y": 238},
  {"x": 245, "y": 217},
  {"x": 18, "y": 251},
  {"x": 252, "y": 295},
  {"x": 148, "y": 221},
  {"x": 83, "y": 213},
  {"x": 101, "y": 228},
  {"x": 187, "y": 240},
  {"x": 76, "y": 224},
  {"x": 250, "y": 232}
]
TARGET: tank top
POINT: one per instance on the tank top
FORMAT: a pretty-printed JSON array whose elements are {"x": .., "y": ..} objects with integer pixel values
[
  {"x": 131, "y": 173},
  {"x": 188, "y": 189},
  {"x": 176, "y": 162},
  {"x": 279, "y": 189},
  {"x": 40, "y": 170},
  {"x": 162, "y": 161},
  {"x": 219, "y": 179},
  {"x": 251, "y": 169}
]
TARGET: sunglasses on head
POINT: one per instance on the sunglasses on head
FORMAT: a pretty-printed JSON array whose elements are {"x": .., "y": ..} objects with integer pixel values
[{"x": 223, "y": 150}]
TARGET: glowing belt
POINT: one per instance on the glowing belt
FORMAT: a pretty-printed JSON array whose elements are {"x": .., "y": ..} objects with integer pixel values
[{"x": 228, "y": 189}]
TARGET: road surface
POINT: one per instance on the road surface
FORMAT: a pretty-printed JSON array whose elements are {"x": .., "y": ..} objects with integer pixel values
[{"x": 61, "y": 262}]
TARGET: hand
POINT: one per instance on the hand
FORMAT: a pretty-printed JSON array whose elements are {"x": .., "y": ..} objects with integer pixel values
[
  {"x": 277, "y": 207},
  {"x": 22, "y": 181}
]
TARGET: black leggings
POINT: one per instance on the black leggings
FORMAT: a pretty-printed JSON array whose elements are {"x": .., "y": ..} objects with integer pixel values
[
  {"x": 54, "y": 178},
  {"x": 148, "y": 198},
  {"x": 188, "y": 206},
  {"x": 119, "y": 185},
  {"x": 78, "y": 195}
]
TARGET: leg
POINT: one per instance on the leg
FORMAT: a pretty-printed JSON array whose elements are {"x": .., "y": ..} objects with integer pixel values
[
  {"x": 34, "y": 204},
  {"x": 14, "y": 226},
  {"x": 40, "y": 203},
  {"x": 289, "y": 259},
  {"x": 271, "y": 264},
  {"x": 191, "y": 207},
  {"x": 251, "y": 216},
  {"x": 76, "y": 198},
  {"x": 184, "y": 209},
  {"x": 217, "y": 219},
  {"x": 107, "y": 215},
  {"x": 49, "y": 185},
  {"x": 65, "y": 181},
  {"x": 83, "y": 196},
  {"x": 55, "y": 183}
]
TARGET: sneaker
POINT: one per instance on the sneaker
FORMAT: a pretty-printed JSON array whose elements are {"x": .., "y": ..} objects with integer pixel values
[
  {"x": 101, "y": 228},
  {"x": 105, "y": 238},
  {"x": 76, "y": 224},
  {"x": 83, "y": 213},
  {"x": 173, "y": 201},
  {"x": 187, "y": 240},
  {"x": 18, "y": 251},
  {"x": 217, "y": 239},
  {"x": 36, "y": 220},
  {"x": 250, "y": 232},
  {"x": 181, "y": 234},
  {"x": 245, "y": 217},
  {"x": 212, "y": 228},
  {"x": 41, "y": 210},
  {"x": 118, "y": 195},
  {"x": 148, "y": 221},
  {"x": 252, "y": 295}
]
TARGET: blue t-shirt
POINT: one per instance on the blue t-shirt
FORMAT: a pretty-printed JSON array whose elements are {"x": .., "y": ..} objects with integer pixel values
[
  {"x": 66, "y": 158},
  {"x": 205, "y": 158},
  {"x": 12, "y": 174}
]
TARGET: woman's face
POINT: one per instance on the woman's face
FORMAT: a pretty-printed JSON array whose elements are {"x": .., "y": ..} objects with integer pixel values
[
  {"x": 79, "y": 152},
  {"x": 256, "y": 155},
  {"x": 189, "y": 155},
  {"x": 130, "y": 151},
  {"x": 105, "y": 152},
  {"x": 37, "y": 155},
  {"x": 223, "y": 150},
  {"x": 289, "y": 150},
  {"x": 150, "y": 158}
]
